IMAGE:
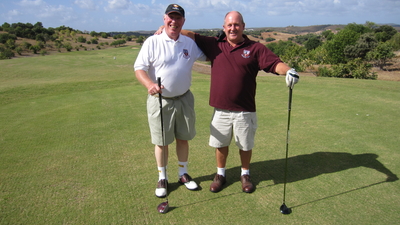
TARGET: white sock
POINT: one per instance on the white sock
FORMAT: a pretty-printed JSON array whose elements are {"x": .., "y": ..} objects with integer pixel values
[
  {"x": 221, "y": 171},
  {"x": 245, "y": 172},
  {"x": 182, "y": 168},
  {"x": 162, "y": 173}
]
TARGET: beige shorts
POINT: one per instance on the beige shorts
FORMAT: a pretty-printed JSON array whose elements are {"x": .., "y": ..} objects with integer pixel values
[
  {"x": 225, "y": 124},
  {"x": 178, "y": 116}
]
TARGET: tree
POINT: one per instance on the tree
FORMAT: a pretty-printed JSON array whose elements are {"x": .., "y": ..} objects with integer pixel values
[
  {"x": 381, "y": 54},
  {"x": 366, "y": 43},
  {"x": 118, "y": 42},
  {"x": 81, "y": 39},
  {"x": 312, "y": 43},
  {"x": 384, "y": 33},
  {"x": 335, "y": 47},
  {"x": 67, "y": 46},
  {"x": 295, "y": 56},
  {"x": 5, "y": 36},
  {"x": 140, "y": 40},
  {"x": 6, "y": 53},
  {"x": 10, "y": 44},
  {"x": 358, "y": 28},
  {"x": 395, "y": 41},
  {"x": 40, "y": 37},
  {"x": 279, "y": 47},
  {"x": 356, "y": 69},
  {"x": 93, "y": 34},
  {"x": 104, "y": 35}
]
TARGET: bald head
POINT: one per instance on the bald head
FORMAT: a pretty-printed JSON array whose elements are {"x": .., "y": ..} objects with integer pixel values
[
  {"x": 234, "y": 14},
  {"x": 234, "y": 27}
]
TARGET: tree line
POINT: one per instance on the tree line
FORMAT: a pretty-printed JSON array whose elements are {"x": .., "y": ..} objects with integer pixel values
[
  {"x": 350, "y": 52},
  {"x": 60, "y": 37}
]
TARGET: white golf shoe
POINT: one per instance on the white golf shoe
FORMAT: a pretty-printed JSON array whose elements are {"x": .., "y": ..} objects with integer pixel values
[
  {"x": 188, "y": 182},
  {"x": 161, "y": 190}
]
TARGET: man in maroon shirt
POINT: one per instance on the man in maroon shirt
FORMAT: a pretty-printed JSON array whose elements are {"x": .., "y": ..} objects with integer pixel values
[{"x": 235, "y": 62}]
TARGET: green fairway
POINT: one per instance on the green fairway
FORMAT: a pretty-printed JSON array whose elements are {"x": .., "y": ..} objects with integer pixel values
[{"x": 75, "y": 149}]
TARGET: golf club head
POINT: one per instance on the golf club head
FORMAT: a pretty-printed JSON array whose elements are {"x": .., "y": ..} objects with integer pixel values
[
  {"x": 284, "y": 209},
  {"x": 163, "y": 207}
]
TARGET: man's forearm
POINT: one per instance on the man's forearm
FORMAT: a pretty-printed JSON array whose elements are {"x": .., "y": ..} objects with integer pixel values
[
  {"x": 188, "y": 33},
  {"x": 143, "y": 78},
  {"x": 282, "y": 68}
]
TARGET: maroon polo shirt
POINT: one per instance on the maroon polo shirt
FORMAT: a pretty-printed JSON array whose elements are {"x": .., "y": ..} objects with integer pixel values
[{"x": 234, "y": 71}]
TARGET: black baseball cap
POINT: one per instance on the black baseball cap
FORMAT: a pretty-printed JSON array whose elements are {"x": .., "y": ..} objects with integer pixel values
[{"x": 175, "y": 8}]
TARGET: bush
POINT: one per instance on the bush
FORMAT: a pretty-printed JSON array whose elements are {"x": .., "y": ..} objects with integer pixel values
[
  {"x": 68, "y": 46},
  {"x": 35, "y": 48},
  {"x": 6, "y": 53},
  {"x": 356, "y": 69},
  {"x": 19, "y": 50},
  {"x": 324, "y": 72},
  {"x": 4, "y": 37},
  {"x": 94, "y": 41},
  {"x": 81, "y": 39},
  {"x": 269, "y": 39}
]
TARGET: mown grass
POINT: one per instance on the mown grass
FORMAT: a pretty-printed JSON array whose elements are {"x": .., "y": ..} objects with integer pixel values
[{"x": 75, "y": 149}]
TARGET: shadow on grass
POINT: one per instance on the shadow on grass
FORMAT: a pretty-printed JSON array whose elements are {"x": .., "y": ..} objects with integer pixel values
[{"x": 302, "y": 167}]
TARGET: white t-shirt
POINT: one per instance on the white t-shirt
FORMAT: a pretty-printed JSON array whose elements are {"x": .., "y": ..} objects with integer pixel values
[{"x": 171, "y": 60}]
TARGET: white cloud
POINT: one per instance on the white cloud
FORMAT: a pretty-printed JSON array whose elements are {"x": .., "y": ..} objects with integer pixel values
[
  {"x": 27, "y": 3},
  {"x": 117, "y": 5},
  {"x": 86, "y": 4},
  {"x": 13, "y": 12}
]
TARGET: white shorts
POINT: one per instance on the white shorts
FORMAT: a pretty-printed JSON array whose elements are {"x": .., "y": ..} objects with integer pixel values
[{"x": 226, "y": 123}]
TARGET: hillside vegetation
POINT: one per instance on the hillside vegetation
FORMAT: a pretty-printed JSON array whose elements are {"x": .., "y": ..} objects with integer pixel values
[{"x": 358, "y": 51}]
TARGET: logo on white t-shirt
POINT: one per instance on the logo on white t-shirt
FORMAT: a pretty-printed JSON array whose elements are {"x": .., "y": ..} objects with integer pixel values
[{"x": 186, "y": 54}]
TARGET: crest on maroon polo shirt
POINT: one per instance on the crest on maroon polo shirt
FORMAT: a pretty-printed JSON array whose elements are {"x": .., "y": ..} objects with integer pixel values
[
  {"x": 186, "y": 54},
  {"x": 246, "y": 54}
]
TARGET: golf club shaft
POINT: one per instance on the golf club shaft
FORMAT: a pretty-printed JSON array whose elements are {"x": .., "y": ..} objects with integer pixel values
[
  {"x": 287, "y": 143},
  {"x": 162, "y": 133}
]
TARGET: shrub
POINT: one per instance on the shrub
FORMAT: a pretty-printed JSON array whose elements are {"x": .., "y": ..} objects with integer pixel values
[
  {"x": 19, "y": 50},
  {"x": 68, "y": 46},
  {"x": 81, "y": 39},
  {"x": 356, "y": 69},
  {"x": 6, "y": 53},
  {"x": 4, "y": 37},
  {"x": 269, "y": 39}
]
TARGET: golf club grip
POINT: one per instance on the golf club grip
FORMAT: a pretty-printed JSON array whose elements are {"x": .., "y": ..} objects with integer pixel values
[{"x": 159, "y": 94}]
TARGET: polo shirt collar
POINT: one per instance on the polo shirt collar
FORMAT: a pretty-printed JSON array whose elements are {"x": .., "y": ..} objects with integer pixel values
[{"x": 165, "y": 36}]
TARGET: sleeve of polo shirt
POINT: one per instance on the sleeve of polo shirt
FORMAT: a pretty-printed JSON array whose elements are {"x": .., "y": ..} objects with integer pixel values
[
  {"x": 268, "y": 60},
  {"x": 205, "y": 43},
  {"x": 143, "y": 59}
]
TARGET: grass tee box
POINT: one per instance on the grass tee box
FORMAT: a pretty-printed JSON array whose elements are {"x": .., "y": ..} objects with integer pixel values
[{"x": 75, "y": 149}]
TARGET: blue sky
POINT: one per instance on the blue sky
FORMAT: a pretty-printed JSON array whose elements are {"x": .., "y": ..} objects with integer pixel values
[{"x": 134, "y": 15}]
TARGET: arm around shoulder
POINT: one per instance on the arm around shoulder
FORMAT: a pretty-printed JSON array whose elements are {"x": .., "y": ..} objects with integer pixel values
[{"x": 189, "y": 34}]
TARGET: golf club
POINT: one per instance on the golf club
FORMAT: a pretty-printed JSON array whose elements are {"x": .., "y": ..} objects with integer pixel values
[
  {"x": 164, "y": 206},
  {"x": 284, "y": 209}
]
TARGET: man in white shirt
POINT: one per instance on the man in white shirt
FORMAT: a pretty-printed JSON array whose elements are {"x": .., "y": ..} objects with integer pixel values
[{"x": 170, "y": 56}]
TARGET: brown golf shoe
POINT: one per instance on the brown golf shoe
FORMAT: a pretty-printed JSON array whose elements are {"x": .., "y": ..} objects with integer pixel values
[
  {"x": 217, "y": 183},
  {"x": 247, "y": 186}
]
